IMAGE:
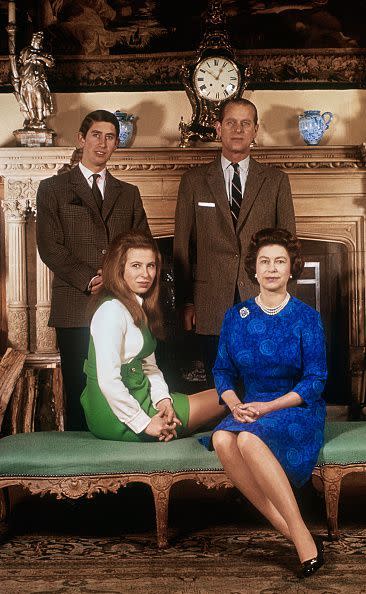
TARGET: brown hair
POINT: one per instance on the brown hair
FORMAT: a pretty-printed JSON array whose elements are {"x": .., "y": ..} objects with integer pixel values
[
  {"x": 114, "y": 284},
  {"x": 99, "y": 115},
  {"x": 273, "y": 236},
  {"x": 237, "y": 101}
]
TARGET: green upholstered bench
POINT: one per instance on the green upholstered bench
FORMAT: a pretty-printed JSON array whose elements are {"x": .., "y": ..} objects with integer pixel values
[
  {"x": 344, "y": 452},
  {"x": 76, "y": 464}
]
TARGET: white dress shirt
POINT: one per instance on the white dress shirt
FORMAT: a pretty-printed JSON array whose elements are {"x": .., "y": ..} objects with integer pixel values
[
  {"x": 229, "y": 172},
  {"x": 89, "y": 177}
]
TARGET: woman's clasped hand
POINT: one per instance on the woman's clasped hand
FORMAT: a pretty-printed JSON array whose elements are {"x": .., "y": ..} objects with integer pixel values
[
  {"x": 249, "y": 412},
  {"x": 163, "y": 424}
]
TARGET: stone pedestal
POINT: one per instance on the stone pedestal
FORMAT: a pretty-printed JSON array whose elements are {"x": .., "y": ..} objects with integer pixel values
[{"x": 35, "y": 138}]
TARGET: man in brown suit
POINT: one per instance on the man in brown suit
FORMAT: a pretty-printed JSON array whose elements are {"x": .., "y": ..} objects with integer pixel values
[
  {"x": 211, "y": 237},
  {"x": 78, "y": 213}
]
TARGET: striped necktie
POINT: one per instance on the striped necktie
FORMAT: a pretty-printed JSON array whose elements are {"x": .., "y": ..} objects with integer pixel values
[
  {"x": 96, "y": 191},
  {"x": 236, "y": 193}
]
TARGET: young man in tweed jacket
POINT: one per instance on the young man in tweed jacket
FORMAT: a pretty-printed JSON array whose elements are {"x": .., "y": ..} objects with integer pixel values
[{"x": 75, "y": 223}]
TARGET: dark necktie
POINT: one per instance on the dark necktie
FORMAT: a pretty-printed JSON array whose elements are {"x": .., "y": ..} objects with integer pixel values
[
  {"x": 236, "y": 193},
  {"x": 96, "y": 191}
]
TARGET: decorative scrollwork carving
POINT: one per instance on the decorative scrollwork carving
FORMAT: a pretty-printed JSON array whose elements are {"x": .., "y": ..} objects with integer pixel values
[
  {"x": 18, "y": 328},
  {"x": 14, "y": 210},
  {"x": 213, "y": 481},
  {"x": 46, "y": 337},
  {"x": 21, "y": 198},
  {"x": 161, "y": 482},
  {"x": 74, "y": 487},
  {"x": 22, "y": 188},
  {"x": 163, "y": 72},
  {"x": 331, "y": 476}
]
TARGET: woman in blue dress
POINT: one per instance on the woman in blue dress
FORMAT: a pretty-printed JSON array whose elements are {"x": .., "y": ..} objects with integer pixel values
[{"x": 274, "y": 345}]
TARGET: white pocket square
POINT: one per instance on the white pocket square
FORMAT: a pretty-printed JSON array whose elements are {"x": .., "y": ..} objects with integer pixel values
[{"x": 207, "y": 204}]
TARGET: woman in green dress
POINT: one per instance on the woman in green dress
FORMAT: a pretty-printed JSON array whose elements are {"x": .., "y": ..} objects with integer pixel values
[{"x": 126, "y": 397}]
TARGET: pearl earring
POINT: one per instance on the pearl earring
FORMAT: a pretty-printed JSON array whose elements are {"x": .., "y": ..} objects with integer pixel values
[
  {"x": 255, "y": 276},
  {"x": 290, "y": 275}
]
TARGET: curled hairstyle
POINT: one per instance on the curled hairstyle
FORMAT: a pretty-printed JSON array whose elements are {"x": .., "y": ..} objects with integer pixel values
[
  {"x": 99, "y": 115},
  {"x": 237, "y": 101},
  {"x": 274, "y": 236},
  {"x": 115, "y": 285}
]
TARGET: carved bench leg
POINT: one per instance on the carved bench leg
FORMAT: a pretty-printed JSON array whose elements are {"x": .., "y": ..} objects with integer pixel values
[
  {"x": 160, "y": 486},
  {"x": 3, "y": 507},
  {"x": 58, "y": 397},
  {"x": 332, "y": 478},
  {"x": 4, "y": 527}
]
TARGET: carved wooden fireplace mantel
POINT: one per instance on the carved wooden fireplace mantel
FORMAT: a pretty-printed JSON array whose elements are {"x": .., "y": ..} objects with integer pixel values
[{"x": 329, "y": 190}]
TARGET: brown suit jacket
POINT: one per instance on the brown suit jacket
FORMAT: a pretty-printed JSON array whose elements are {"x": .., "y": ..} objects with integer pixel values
[
  {"x": 208, "y": 253},
  {"x": 72, "y": 236}
]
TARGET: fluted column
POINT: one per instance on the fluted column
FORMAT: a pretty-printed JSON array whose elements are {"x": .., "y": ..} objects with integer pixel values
[
  {"x": 17, "y": 304},
  {"x": 45, "y": 336}
]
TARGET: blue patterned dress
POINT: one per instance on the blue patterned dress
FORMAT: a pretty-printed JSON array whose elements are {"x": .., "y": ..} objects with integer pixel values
[{"x": 273, "y": 355}]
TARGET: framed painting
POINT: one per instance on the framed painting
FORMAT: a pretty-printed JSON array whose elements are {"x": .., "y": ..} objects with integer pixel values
[{"x": 133, "y": 45}]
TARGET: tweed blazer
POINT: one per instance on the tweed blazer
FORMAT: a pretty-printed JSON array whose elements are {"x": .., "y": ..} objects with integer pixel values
[
  {"x": 73, "y": 235},
  {"x": 208, "y": 252}
]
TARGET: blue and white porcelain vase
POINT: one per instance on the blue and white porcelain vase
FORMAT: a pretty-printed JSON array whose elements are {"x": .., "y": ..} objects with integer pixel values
[
  {"x": 313, "y": 124},
  {"x": 126, "y": 128}
]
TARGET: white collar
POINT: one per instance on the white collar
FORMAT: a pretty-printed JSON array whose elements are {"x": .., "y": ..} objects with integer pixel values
[
  {"x": 87, "y": 173},
  {"x": 243, "y": 164}
]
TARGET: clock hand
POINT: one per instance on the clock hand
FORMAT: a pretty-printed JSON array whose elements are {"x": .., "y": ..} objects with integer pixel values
[
  {"x": 221, "y": 69},
  {"x": 212, "y": 74}
]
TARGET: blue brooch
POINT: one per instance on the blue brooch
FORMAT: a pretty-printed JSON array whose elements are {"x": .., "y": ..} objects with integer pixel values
[{"x": 244, "y": 312}]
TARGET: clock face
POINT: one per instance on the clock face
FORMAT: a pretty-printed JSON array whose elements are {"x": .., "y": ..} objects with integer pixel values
[{"x": 216, "y": 78}]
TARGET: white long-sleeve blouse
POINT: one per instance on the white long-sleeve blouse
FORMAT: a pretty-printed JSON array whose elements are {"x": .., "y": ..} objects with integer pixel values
[{"x": 117, "y": 341}]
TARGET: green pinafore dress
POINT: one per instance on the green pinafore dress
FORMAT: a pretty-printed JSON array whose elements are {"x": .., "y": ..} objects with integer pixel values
[{"x": 101, "y": 420}]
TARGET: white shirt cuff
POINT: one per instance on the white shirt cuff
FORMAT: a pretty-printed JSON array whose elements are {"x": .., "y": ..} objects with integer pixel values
[{"x": 139, "y": 422}]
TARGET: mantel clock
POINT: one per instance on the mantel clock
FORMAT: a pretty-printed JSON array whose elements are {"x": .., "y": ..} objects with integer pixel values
[{"x": 214, "y": 76}]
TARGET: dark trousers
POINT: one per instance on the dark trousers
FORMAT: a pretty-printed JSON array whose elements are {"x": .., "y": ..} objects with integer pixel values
[
  {"x": 208, "y": 346},
  {"x": 73, "y": 344}
]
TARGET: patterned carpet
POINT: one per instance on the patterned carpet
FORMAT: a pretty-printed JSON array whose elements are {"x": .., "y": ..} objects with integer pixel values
[{"x": 217, "y": 547}]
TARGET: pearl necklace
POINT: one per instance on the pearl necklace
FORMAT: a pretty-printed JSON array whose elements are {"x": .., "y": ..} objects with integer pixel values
[{"x": 272, "y": 311}]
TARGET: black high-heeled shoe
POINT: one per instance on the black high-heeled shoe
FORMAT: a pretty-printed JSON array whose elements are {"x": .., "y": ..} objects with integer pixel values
[{"x": 310, "y": 566}]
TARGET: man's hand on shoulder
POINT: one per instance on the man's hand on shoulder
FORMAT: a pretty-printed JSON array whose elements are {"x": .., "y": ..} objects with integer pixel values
[{"x": 96, "y": 283}]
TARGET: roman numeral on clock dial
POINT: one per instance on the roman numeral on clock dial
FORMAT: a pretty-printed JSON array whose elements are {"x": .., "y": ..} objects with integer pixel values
[{"x": 216, "y": 78}]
